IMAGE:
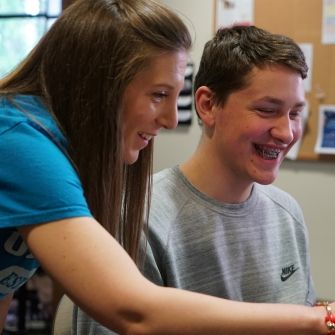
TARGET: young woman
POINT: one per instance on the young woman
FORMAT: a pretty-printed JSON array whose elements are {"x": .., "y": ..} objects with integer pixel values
[{"x": 77, "y": 119}]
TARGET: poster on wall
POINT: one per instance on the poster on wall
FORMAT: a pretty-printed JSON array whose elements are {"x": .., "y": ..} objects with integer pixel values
[
  {"x": 325, "y": 143},
  {"x": 185, "y": 98},
  {"x": 328, "y": 22},
  {"x": 230, "y": 12}
]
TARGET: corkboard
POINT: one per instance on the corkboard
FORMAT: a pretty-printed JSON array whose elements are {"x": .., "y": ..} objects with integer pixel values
[{"x": 302, "y": 21}]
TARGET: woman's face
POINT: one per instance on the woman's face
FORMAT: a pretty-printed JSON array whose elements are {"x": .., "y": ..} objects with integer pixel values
[{"x": 150, "y": 102}]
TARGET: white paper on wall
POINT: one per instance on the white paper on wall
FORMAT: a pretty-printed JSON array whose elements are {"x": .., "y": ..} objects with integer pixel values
[
  {"x": 229, "y": 12},
  {"x": 307, "y": 49},
  {"x": 294, "y": 151},
  {"x": 328, "y": 22}
]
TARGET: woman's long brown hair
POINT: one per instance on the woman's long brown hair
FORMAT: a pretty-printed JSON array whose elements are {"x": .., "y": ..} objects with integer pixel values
[{"x": 81, "y": 68}]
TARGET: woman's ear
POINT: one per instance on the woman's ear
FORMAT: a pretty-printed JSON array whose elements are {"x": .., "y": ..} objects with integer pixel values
[{"x": 204, "y": 104}]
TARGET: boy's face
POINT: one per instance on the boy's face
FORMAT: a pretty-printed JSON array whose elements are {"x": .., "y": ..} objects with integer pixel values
[{"x": 259, "y": 124}]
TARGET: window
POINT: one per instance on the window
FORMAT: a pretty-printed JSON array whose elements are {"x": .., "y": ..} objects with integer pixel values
[{"x": 22, "y": 24}]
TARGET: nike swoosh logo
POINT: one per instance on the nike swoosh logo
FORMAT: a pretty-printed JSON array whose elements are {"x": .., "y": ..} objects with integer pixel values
[{"x": 285, "y": 276}]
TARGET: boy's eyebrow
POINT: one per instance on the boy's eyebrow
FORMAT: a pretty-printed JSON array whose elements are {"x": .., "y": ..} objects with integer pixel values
[
  {"x": 277, "y": 101},
  {"x": 301, "y": 104}
]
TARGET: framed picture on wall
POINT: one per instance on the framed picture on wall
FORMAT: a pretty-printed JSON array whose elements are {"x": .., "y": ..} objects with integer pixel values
[{"x": 326, "y": 135}]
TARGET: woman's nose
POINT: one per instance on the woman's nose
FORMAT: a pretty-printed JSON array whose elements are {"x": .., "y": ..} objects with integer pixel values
[{"x": 168, "y": 118}]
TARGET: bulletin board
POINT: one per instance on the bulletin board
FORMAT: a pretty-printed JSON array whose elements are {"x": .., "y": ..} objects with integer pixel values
[{"x": 302, "y": 21}]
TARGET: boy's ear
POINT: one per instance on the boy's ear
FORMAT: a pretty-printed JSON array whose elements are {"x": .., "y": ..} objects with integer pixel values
[{"x": 204, "y": 100}]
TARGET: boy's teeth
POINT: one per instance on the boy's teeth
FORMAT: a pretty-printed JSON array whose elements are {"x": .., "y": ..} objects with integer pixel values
[{"x": 268, "y": 153}]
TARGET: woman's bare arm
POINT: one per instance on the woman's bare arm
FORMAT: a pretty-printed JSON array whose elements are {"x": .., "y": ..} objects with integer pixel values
[{"x": 102, "y": 279}]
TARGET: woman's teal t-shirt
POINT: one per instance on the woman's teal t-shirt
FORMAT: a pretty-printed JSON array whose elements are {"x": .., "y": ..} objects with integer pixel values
[{"x": 38, "y": 183}]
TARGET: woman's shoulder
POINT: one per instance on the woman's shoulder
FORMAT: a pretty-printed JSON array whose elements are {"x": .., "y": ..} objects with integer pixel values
[{"x": 30, "y": 111}]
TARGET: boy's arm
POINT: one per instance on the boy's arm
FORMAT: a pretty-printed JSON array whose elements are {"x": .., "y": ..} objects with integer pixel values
[{"x": 4, "y": 306}]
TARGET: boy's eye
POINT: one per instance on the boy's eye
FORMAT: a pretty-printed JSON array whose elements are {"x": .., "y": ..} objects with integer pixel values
[
  {"x": 295, "y": 114},
  {"x": 266, "y": 110}
]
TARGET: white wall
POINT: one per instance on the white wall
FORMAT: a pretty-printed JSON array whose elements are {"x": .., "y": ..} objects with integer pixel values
[{"x": 311, "y": 183}]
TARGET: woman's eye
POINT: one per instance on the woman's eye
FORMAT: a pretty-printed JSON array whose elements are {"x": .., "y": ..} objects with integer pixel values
[{"x": 158, "y": 96}]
